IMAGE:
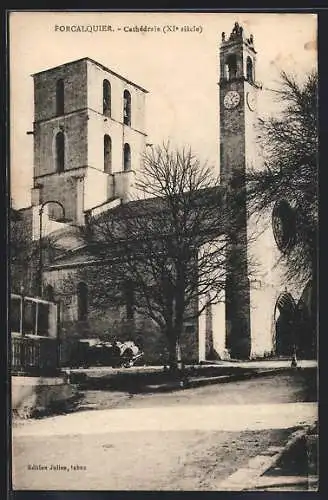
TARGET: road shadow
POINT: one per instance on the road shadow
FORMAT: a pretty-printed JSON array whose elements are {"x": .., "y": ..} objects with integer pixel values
[{"x": 160, "y": 381}]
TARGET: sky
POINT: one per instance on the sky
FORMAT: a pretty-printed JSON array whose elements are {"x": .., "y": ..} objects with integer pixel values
[{"x": 180, "y": 69}]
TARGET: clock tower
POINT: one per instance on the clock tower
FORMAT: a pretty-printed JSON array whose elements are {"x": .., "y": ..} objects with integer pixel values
[{"x": 238, "y": 103}]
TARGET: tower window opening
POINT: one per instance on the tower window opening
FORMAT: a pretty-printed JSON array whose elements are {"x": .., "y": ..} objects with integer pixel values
[
  {"x": 60, "y": 97},
  {"x": 82, "y": 301},
  {"x": 231, "y": 67},
  {"x": 60, "y": 152},
  {"x": 127, "y": 108},
  {"x": 249, "y": 70},
  {"x": 107, "y": 154},
  {"x": 127, "y": 157},
  {"x": 106, "y": 98}
]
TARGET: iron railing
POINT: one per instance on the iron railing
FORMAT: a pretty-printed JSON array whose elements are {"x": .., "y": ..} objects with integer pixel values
[
  {"x": 34, "y": 336},
  {"x": 34, "y": 355}
]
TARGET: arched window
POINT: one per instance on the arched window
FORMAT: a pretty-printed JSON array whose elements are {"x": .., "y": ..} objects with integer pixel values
[
  {"x": 127, "y": 107},
  {"x": 249, "y": 69},
  {"x": 60, "y": 97},
  {"x": 127, "y": 157},
  {"x": 106, "y": 98},
  {"x": 231, "y": 67},
  {"x": 60, "y": 152},
  {"x": 284, "y": 225},
  {"x": 107, "y": 154},
  {"x": 49, "y": 293},
  {"x": 82, "y": 301}
]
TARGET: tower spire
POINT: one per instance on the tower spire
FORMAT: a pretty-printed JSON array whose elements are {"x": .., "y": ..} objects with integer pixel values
[{"x": 238, "y": 35}]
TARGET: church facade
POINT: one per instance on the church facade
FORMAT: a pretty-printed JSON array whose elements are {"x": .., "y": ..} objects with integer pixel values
[{"x": 89, "y": 137}]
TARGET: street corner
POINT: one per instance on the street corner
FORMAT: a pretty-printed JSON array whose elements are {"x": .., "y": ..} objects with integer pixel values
[
  {"x": 292, "y": 466},
  {"x": 296, "y": 466}
]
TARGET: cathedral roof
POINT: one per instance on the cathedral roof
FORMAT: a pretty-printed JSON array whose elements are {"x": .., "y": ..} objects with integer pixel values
[
  {"x": 78, "y": 253},
  {"x": 157, "y": 204}
]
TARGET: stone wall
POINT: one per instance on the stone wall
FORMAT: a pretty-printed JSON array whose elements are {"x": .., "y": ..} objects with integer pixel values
[
  {"x": 267, "y": 282},
  {"x": 112, "y": 321},
  {"x": 74, "y": 128},
  {"x": 75, "y": 89},
  {"x": 64, "y": 189},
  {"x": 120, "y": 134},
  {"x": 96, "y": 75},
  {"x": 34, "y": 396},
  {"x": 84, "y": 126}
]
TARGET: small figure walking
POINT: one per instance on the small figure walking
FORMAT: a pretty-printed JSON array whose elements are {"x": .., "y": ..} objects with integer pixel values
[{"x": 294, "y": 358}]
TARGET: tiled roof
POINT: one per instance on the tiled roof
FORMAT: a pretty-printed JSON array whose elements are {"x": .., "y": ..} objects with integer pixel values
[
  {"x": 139, "y": 208},
  {"x": 153, "y": 205}
]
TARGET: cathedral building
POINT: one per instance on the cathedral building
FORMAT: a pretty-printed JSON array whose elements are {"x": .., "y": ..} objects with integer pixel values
[{"x": 89, "y": 138}]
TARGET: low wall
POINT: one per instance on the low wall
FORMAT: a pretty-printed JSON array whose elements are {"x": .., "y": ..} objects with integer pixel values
[
  {"x": 32, "y": 396},
  {"x": 143, "y": 332}
]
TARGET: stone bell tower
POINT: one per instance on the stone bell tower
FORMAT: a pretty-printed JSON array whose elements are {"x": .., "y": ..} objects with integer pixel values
[
  {"x": 238, "y": 115},
  {"x": 89, "y": 137}
]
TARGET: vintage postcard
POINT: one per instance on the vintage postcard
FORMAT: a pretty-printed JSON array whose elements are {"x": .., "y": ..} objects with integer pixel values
[{"x": 163, "y": 234}]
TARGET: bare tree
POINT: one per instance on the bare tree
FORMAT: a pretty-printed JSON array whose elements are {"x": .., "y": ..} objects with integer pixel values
[
  {"x": 23, "y": 255},
  {"x": 288, "y": 186},
  {"x": 290, "y": 147},
  {"x": 168, "y": 248}
]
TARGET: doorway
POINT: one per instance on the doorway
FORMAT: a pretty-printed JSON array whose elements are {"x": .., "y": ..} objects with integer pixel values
[{"x": 284, "y": 325}]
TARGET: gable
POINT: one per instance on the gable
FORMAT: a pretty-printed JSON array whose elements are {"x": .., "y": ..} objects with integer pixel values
[
  {"x": 67, "y": 239},
  {"x": 72, "y": 258}
]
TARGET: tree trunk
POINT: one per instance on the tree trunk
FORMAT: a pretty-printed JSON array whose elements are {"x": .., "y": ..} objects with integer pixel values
[
  {"x": 173, "y": 335},
  {"x": 179, "y": 355},
  {"x": 175, "y": 356},
  {"x": 173, "y": 359}
]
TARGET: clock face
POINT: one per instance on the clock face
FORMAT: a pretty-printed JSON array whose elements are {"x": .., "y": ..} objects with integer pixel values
[
  {"x": 231, "y": 99},
  {"x": 251, "y": 101}
]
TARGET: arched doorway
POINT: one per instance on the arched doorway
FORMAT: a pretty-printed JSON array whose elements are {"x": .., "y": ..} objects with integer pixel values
[
  {"x": 284, "y": 324},
  {"x": 49, "y": 293},
  {"x": 82, "y": 301}
]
